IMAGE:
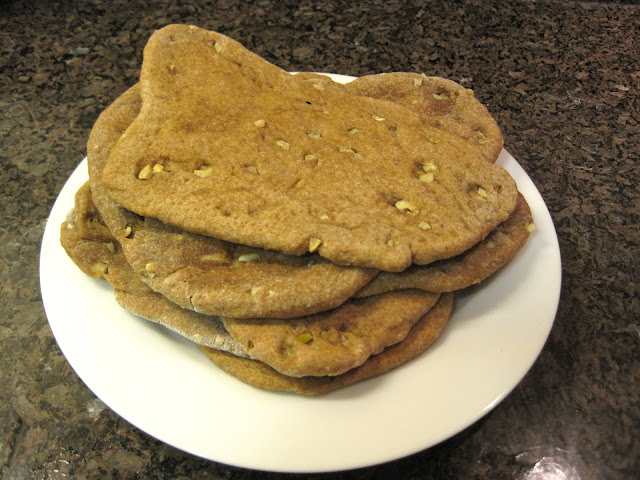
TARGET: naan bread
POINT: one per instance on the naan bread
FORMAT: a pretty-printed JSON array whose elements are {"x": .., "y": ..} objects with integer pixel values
[
  {"x": 205, "y": 274},
  {"x": 230, "y": 146},
  {"x": 468, "y": 268},
  {"x": 332, "y": 342},
  {"x": 419, "y": 339}
]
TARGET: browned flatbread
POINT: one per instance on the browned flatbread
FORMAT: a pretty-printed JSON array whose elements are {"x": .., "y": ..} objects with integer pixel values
[
  {"x": 89, "y": 244},
  {"x": 260, "y": 375},
  {"x": 440, "y": 103},
  {"x": 204, "y": 274},
  {"x": 469, "y": 268},
  {"x": 245, "y": 152},
  {"x": 330, "y": 343},
  {"x": 204, "y": 330}
]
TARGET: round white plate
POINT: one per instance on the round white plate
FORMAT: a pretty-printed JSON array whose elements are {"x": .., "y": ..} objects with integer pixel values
[{"x": 163, "y": 384}]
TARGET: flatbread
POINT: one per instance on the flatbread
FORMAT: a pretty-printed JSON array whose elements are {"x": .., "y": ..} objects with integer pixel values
[
  {"x": 442, "y": 104},
  {"x": 419, "y": 339},
  {"x": 332, "y": 342},
  {"x": 204, "y": 274},
  {"x": 468, "y": 268},
  {"x": 245, "y": 152},
  {"x": 89, "y": 244}
]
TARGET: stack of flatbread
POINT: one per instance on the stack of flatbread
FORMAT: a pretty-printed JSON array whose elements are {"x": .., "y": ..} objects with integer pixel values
[{"x": 305, "y": 234}]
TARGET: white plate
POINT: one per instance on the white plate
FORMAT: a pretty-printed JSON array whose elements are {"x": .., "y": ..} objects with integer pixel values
[{"x": 163, "y": 385}]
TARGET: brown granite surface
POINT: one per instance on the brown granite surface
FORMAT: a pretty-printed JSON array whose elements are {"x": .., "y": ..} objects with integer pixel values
[{"x": 563, "y": 80}]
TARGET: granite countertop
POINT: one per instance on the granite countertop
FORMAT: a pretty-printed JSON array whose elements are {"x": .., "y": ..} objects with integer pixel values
[{"x": 561, "y": 78}]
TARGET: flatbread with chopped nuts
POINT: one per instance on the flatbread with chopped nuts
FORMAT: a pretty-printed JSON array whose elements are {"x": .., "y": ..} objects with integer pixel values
[
  {"x": 204, "y": 274},
  {"x": 89, "y": 244},
  {"x": 332, "y": 342},
  {"x": 420, "y": 338},
  {"x": 469, "y": 268},
  {"x": 230, "y": 146},
  {"x": 440, "y": 103}
]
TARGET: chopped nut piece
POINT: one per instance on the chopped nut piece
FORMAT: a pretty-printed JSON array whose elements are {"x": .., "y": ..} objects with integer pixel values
[
  {"x": 218, "y": 340},
  {"x": 157, "y": 168},
  {"x": 427, "y": 177},
  {"x": 379, "y": 119},
  {"x": 111, "y": 247},
  {"x": 309, "y": 158},
  {"x": 353, "y": 131},
  {"x": 215, "y": 257},
  {"x": 100, "y": 267},
  {"x": 315, "y": 135},
  {"x": 255, "y": 290},
  {"x": 491, "y": 244},
  {"x": 429, "y": 167},
  {"x": 288, "y": 350},
  {"x": 260, "y": 123},
  {"x": 346, "y": 150},
  {"x": 392, "y": 243},
  {"x": 218, "y": 47},
  {"x": 530, "y": 227},
  {"x": 318, "y": 86},
  {"x": 146, "y": 173},
  {"x": 204, "y": 172},
  {"x": 326, "y": 112},
  {"x": 441, "y": 96},
  {"x": 305, "y": 338},
  {"x": 197, "y": 337},
  {"x": 252, "y": 169},
  {"x": 324, "y": 217},
  {"x": 482, "y": 192},
  {"x": 249, "y": 257},
  {"x": 417, "y": 82},
  {"x": 424, "y": 226},
  {"x": 127, "y": 231},
  {"x": 314, "y": 243},
  {"x": 407, "y": 206},
  {"x": 282, "y": 144},
  {"x": 432, "y": 140}
]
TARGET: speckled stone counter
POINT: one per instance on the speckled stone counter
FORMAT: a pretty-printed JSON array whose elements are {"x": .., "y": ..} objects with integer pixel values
[{"x": 563, "y": 81}]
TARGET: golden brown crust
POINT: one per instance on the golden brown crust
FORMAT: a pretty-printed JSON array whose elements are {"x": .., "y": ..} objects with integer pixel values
[
  {"x": 440, "y": 103},
  {"x": 286, "y": 178},
  {"x": 208, "y": 275},
  {"x": 420, "y": 338},
  {"x": 332, "y": 342},
  {"x": 469, "y": 268},
  {"x": 89, "y": 244}
]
